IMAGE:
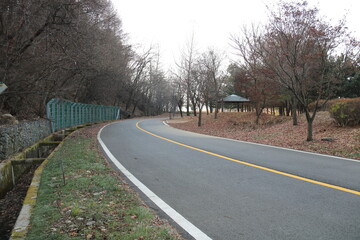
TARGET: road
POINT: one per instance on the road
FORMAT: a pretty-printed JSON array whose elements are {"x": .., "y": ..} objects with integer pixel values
[{"x": 235, "y": 190}]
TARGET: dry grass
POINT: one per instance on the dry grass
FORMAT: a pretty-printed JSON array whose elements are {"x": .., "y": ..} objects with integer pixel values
[{"x": 279, "y": 131}]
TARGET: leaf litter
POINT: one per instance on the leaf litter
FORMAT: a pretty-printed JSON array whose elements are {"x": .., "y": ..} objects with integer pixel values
[{"x": 279, "y": 131}]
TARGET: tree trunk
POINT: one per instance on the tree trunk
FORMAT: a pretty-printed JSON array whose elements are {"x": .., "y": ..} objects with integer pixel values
[
  {"x": 216, "y": 110},
  {"x": 287, "y": 108},
  {"x": 181, "y": 113},
  {"x": 309, "y": 131},
  {"x": 293, "y": 111},
  {"x": 258, "y": 112},
  {"x": 187, "y": 105},
  {"x": 194, "y": 106},
  {"x": 310, "y": 120},
  {"x": 135, "y": 105},
  {"x": 199, "y": 118},
  {"x": 281, "y": 111}
]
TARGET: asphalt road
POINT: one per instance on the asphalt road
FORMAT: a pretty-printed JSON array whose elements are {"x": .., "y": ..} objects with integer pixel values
[{"x": 282, "y": 194}]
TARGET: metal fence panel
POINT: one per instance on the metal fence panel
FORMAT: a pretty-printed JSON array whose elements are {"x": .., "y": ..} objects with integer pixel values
[{"x": 64, "y": 114}]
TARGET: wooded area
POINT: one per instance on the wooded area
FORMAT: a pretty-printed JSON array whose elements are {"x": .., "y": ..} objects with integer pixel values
[
  {"x": 73, "y": 50},
  {"x": 77, "y": 50}
]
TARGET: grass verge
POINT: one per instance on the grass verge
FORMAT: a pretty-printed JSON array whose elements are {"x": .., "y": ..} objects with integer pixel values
[{"x": 94, "y": 203}]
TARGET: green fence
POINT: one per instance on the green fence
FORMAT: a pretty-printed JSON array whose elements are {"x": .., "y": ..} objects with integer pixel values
[{"x": 65, "y": 114}]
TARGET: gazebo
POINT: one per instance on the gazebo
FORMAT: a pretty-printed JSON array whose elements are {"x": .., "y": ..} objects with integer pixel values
[{"x": 234, "y": 99}]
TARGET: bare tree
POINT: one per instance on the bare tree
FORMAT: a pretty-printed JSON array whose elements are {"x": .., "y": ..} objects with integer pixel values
[
  {"x": 255, "y": 79},
  {"x": 211, "y": 61},
  {"x": 138, "y": 75},
  {"x": 178, "y": 93},
  {"x": 185, "y": 68},
  {"x": 200, "y": 85},
  {"x": 296, "y": 46}
]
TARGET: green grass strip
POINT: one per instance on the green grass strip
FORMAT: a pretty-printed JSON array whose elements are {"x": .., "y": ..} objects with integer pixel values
[{"x": 93, "y": 204}]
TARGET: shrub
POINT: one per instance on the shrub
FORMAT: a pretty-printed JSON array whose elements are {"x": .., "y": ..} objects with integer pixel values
[
  {"x": 346, "y": 112},
  {"x": 323, "y": 105}
]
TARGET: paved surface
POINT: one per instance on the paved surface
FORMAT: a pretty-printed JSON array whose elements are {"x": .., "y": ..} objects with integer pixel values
[{"x": 230, "y": 200}]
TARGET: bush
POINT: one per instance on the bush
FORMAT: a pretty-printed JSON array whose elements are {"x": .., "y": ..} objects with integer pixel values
[
  {"x": 346, "y": 112},
  {"x": 322, "y": 105}
]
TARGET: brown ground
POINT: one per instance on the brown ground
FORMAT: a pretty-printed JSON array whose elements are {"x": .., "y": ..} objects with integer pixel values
[{"x": 279, "y": 131}]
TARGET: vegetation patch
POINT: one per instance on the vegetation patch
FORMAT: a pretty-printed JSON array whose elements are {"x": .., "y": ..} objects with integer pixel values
[
  {"x": 94, "y": 203},
  {"x": 346, "y": 112}
]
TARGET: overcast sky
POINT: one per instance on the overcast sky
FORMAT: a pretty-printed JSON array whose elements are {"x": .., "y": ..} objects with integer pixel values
[{"x": 169, "y": 24}]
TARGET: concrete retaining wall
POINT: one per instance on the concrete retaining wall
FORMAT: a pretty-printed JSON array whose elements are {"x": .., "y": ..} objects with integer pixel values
[
  {"x": 15, "y": 138},
  {"x": 6, "y": 181},
  {"x": 7, "y": 169}
]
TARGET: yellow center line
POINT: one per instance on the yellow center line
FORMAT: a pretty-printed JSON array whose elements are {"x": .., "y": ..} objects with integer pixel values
[{"x": 253, "y": 165}]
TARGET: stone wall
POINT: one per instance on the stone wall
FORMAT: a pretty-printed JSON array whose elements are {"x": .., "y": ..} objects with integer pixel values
[{"x": 15, "y": 138}]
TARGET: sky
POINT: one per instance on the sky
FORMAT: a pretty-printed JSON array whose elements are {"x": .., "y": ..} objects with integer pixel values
[{"x": 170, "y": 24}]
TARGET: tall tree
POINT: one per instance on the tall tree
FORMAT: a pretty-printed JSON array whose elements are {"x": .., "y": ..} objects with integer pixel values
[
  {"x": 212, "y": 62},
  {"x": 296, "y": 45},
  {"x": 253, "y": 76},
  {"x": 185, "y": 68},
  {"x": 178, "y": 93}
]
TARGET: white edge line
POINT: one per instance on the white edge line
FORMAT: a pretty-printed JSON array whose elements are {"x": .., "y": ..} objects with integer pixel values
[
  {"x": 172, "y": 213},
  {"x": 269, "y": 146}
]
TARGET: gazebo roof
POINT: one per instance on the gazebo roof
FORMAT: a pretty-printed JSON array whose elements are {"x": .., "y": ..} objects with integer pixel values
[{"x": 235, "y": 99}]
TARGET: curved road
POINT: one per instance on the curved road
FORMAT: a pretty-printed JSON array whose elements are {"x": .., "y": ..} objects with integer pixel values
[{"x": 236, "y": 190}]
